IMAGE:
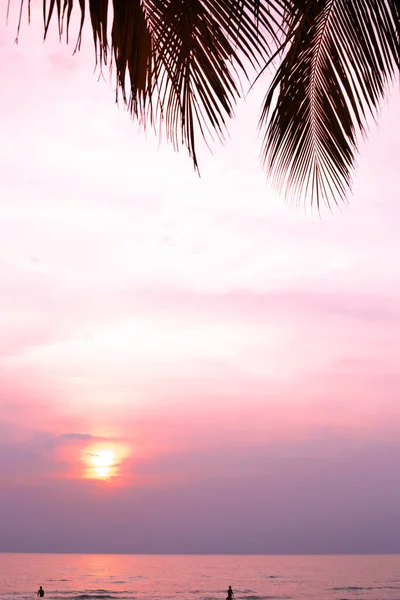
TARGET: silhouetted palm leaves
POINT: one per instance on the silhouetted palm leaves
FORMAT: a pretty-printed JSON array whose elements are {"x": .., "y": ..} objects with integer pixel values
[
  {"x": 181, "y": 62},
  {"x": 334, "y": 73}
]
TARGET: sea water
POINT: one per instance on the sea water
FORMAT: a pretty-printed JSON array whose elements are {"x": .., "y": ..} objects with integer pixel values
[{"x": 170, "y": 577}]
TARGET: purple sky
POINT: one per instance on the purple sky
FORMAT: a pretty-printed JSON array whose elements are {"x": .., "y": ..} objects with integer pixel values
[{"x": 235, "y": 357}]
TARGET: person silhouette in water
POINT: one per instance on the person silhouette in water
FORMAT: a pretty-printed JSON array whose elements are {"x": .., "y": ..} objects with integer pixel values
[
  {"x": 230, "y": 593},
  {"x": 40, "y": 592}
]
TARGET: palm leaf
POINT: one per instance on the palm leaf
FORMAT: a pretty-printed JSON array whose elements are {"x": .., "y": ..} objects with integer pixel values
[
  {"x": 179, "y": 58},
  {"x": 339, "y": 58},
  {"x": 195, "y": 58},
  {"x": 177, "y": 64},
  {"x": 133, "y": 51}
]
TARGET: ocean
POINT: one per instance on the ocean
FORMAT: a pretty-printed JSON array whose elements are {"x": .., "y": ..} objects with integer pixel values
[{"x": 169, "y": 577}]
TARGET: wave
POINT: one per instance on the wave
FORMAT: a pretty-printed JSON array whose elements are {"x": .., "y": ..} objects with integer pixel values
[
  {"x": 267, "y": 597},
  {"x": 89, "y": 596},
  {"x": 73, "y": 596},
  {"x": 359, "y": 588},
  {"x": 354, "y": 588},
  {"x": 82, "y": 594}
]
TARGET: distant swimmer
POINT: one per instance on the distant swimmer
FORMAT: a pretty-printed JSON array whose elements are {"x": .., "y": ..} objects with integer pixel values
[
  {"x": 230, "y": 593},
  {"x": 40, "y": 592}
]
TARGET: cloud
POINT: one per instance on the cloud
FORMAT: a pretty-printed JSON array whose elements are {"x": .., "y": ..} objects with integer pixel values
[
  {"x": 247, "y": 353},
  {"x": 300, "y": 500},
  {"x": 74, "y": 437},
  {"x": 38, "y": 456}
]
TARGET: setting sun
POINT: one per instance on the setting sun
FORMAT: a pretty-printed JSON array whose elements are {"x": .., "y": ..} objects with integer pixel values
[
  {"x": 100, "y": 463},
  {"x": 103, "y": 463}
]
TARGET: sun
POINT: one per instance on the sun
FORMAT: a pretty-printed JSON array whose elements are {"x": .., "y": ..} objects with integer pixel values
[
  {"x": 105, "y": 462},
  {"x": 102, "y": 463}
]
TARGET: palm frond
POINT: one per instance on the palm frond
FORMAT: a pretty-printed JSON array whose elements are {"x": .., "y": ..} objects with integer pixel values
[
  {"x": 194, "y": 82},
  {"x": 133, "y": 50},
  {"x": 341, "y": 55},
  {"x": 179, "y": 57},
  {"x": 177, "y": 64},
  {"x": 194, "y": 65}
]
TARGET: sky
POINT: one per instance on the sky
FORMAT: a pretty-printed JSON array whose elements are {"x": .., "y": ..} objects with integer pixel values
[{"x": 187, "y": 364}]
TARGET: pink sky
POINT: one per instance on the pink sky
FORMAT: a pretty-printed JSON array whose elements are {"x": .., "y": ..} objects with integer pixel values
[{"x": 223, "y": 344}]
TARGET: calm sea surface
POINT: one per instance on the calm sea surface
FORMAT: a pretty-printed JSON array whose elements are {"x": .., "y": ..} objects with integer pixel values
[{"x": 139, "y": 577}]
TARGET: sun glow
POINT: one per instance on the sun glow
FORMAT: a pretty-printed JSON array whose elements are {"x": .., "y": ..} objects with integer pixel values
[
  {"x": 103, "y": 463},
  {"x": 100, "y": 463}
]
